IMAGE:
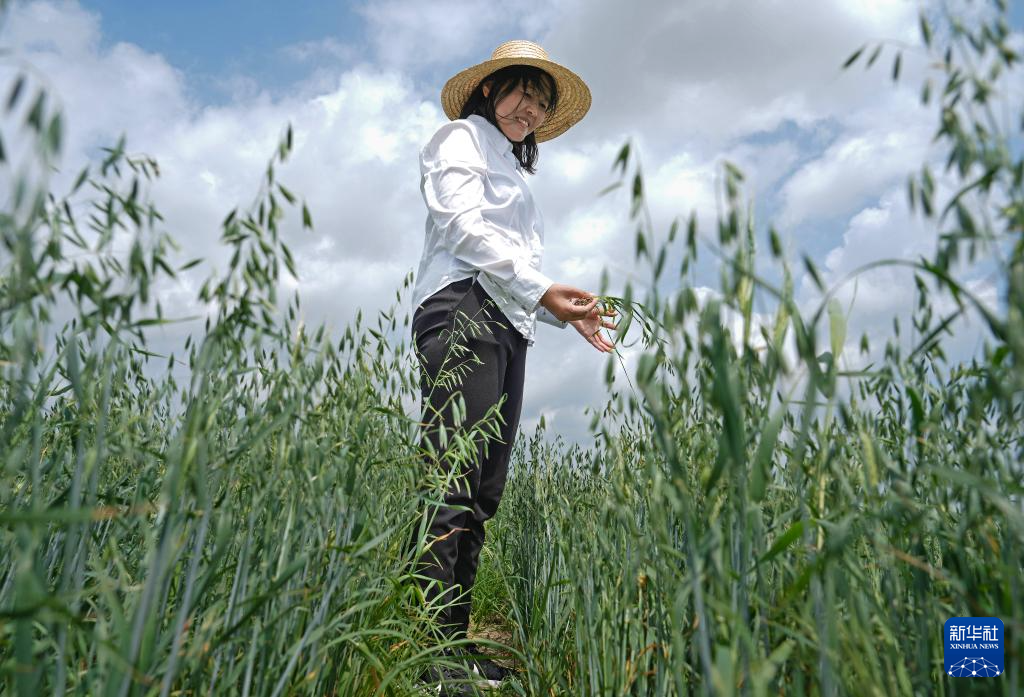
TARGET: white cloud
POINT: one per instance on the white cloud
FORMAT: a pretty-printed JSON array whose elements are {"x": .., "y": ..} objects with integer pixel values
[
  {"x": 106, "y": 91},
  {"x": 354, "y": 159},
  {"x": 872, "y": 298},
  {"x": 712, "y": 70},
  {"x": 690, "y": 73},
  {"x": 693, "y": 83},
  {"x": 859, "y": 164},
  {"x": 843, "y": 176},
  {"x": 415, "y": 35},
  {"x": 314, "y": 50},
  {"x": 886, "y": 231}
]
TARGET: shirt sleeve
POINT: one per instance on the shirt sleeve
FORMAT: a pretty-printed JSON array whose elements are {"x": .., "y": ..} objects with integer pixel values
[
  {"x": 453, "y": 169},
  {"x": 546, "y": 317}
]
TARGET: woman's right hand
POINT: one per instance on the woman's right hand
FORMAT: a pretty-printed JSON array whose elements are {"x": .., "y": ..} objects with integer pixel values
[{"x": 558, "y": 299}]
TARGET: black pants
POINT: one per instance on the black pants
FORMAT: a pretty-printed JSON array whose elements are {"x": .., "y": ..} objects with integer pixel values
[{"x": 456, "y": 531}]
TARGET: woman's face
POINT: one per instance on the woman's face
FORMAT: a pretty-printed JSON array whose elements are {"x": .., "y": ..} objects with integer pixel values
[{"x": 520, "y": 112}]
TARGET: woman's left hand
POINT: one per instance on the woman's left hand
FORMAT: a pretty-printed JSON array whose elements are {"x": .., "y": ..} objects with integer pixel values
[{"x": 590, "y": 329}]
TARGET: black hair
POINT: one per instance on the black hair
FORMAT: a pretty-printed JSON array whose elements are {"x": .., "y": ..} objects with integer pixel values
[{"x": 502, "y": 83}]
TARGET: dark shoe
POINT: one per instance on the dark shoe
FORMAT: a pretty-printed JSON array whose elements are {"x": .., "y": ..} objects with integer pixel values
[
  {"x": 448, "y": 681},
  {"x": 485, "y": 667}
]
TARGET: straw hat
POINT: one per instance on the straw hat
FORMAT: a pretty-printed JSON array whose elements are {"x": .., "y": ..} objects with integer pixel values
[{"x": 573, "y": 93}]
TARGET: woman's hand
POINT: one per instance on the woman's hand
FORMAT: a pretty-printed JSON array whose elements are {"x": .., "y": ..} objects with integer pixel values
[
  {"x": 590, "y": 329},
  {"x": 560, "y": 300}
]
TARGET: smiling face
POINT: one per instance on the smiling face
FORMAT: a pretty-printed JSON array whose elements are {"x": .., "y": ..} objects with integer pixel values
[
  {"x": 516, "y": 99},
  {"x": 522, "y": 109}
]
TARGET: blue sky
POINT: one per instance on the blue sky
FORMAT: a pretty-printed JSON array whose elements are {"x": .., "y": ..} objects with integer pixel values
[
  {"x": 214, "y": 37},
  {"x": 207, "y": 88},
  {"x": 211, "y": 40}
]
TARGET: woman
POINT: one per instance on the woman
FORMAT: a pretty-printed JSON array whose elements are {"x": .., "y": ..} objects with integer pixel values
[{"x": 481, "y": 264}]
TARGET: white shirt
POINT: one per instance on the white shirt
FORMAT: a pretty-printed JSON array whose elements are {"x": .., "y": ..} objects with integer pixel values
[{"x": 482, "y": 221}]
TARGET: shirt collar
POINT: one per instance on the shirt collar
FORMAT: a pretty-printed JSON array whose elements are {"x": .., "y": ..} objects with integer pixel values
[{"x": 498, "y": 139}]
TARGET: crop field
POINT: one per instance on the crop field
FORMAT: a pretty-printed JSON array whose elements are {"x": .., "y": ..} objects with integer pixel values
[{"x": 763, "y": 511}]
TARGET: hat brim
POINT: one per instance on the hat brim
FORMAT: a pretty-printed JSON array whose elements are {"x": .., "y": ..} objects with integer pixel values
[{"x": 573, "y": 93}]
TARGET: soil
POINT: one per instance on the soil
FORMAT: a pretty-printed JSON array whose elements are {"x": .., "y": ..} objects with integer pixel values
[{"x": 501, "y": 634}]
